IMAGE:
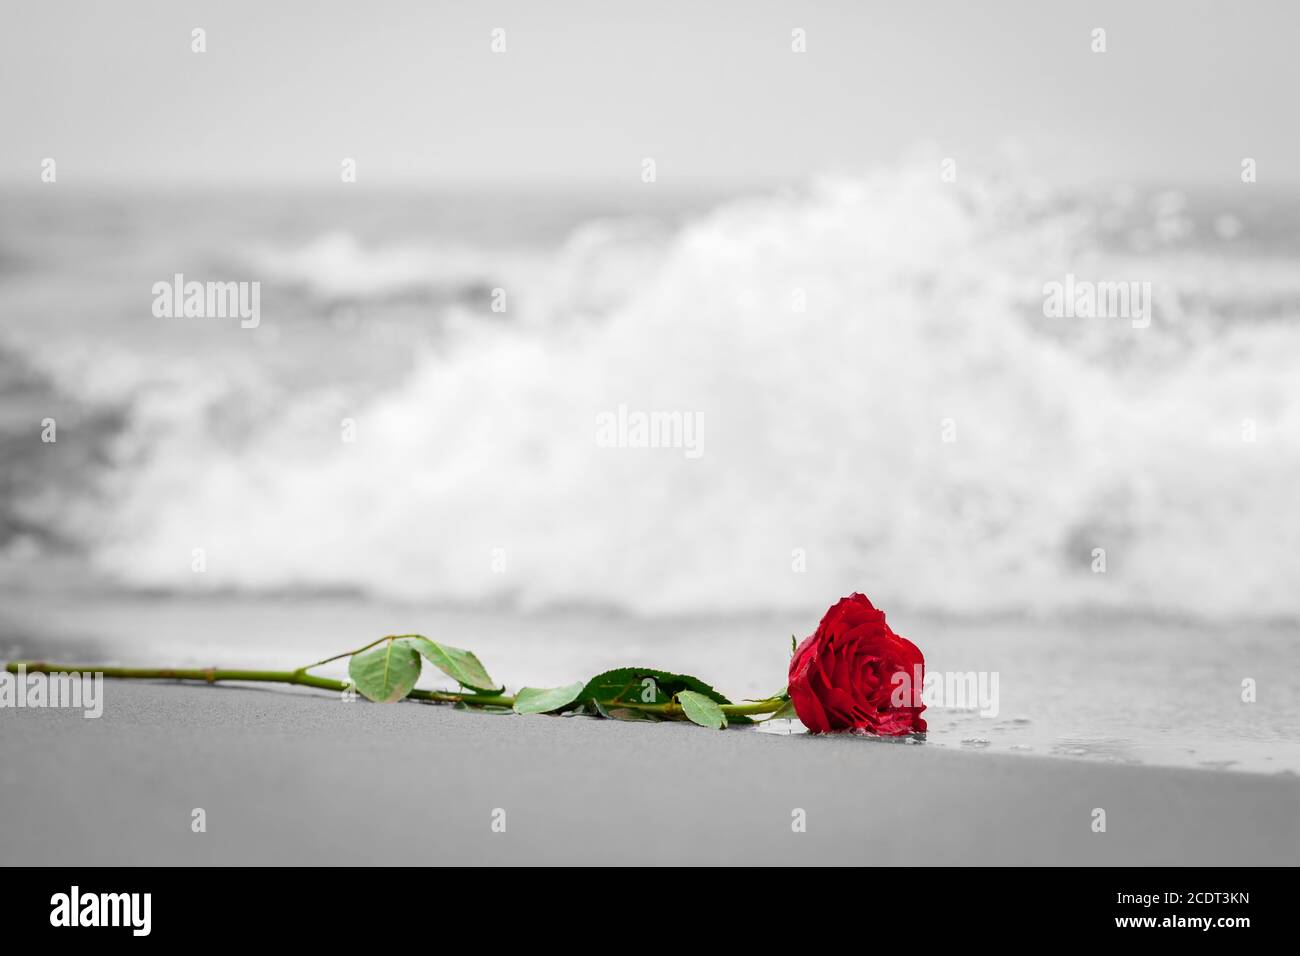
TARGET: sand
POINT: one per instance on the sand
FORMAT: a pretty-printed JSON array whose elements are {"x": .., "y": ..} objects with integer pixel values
[
  {"x": 1102, "y": 690},
  {"x": 291, "y": 777}
]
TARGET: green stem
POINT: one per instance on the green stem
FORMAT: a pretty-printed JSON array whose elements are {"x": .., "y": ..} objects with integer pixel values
[
  {"x": 752, "y": 707},
  {"x": 338, "y": 657},
  {"x": 300, "y": 677},
  {"x": 746, "y": 709},
  {"x": 212, "y": 675}
]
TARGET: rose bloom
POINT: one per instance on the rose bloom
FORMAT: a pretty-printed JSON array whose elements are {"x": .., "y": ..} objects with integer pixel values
[{"x": 842, "y": 677}]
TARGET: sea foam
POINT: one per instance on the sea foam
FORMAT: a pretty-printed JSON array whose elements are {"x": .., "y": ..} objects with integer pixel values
[{"x": 889, "y": 410}]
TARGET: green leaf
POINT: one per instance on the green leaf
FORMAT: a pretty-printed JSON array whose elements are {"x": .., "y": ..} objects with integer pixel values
[
  {"x": 461, "y": 666},
  {"x": 545, "y": 700},
  {"x": 644, "y": 685},
  {"x": 703, "y": 710},
  {"x": 385, "y": 673},
  {"x": 785, "y": 712}
]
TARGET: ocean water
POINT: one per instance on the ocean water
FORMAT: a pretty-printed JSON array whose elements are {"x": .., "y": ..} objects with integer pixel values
[
  {"x": 475, "y": 476},
  {"x": 883, "y": 407}
]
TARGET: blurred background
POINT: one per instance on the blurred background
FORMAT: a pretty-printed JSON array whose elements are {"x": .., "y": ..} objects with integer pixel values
[{"x": 838, "y": 268}]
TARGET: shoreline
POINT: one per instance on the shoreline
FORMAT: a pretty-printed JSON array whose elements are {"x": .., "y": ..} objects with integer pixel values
[
  {"x": 297, "y": 776},
  {"x": 1101, "y": 693}
]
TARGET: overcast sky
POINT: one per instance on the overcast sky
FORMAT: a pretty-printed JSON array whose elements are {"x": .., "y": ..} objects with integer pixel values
[{"x": 587, "y": 88}]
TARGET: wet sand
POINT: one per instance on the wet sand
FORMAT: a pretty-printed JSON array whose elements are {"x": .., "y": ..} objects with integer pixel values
[
  {"x": 1105, "y": 691},
  {"x": 290, "y": 777}
]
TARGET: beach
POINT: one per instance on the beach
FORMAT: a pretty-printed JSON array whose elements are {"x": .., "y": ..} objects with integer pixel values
[
  {"x": 290, "y": 777},
  {"x": 387, "y": 453},
  {"x": 1092, "y": 688},
  {"x": 537, "y": 363}
]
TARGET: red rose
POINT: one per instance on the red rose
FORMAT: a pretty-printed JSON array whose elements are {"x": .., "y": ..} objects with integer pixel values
[{"x": 843, "y": 676}]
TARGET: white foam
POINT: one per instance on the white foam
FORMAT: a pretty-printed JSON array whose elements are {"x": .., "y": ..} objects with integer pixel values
[{"x": 822, "y": 432}]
